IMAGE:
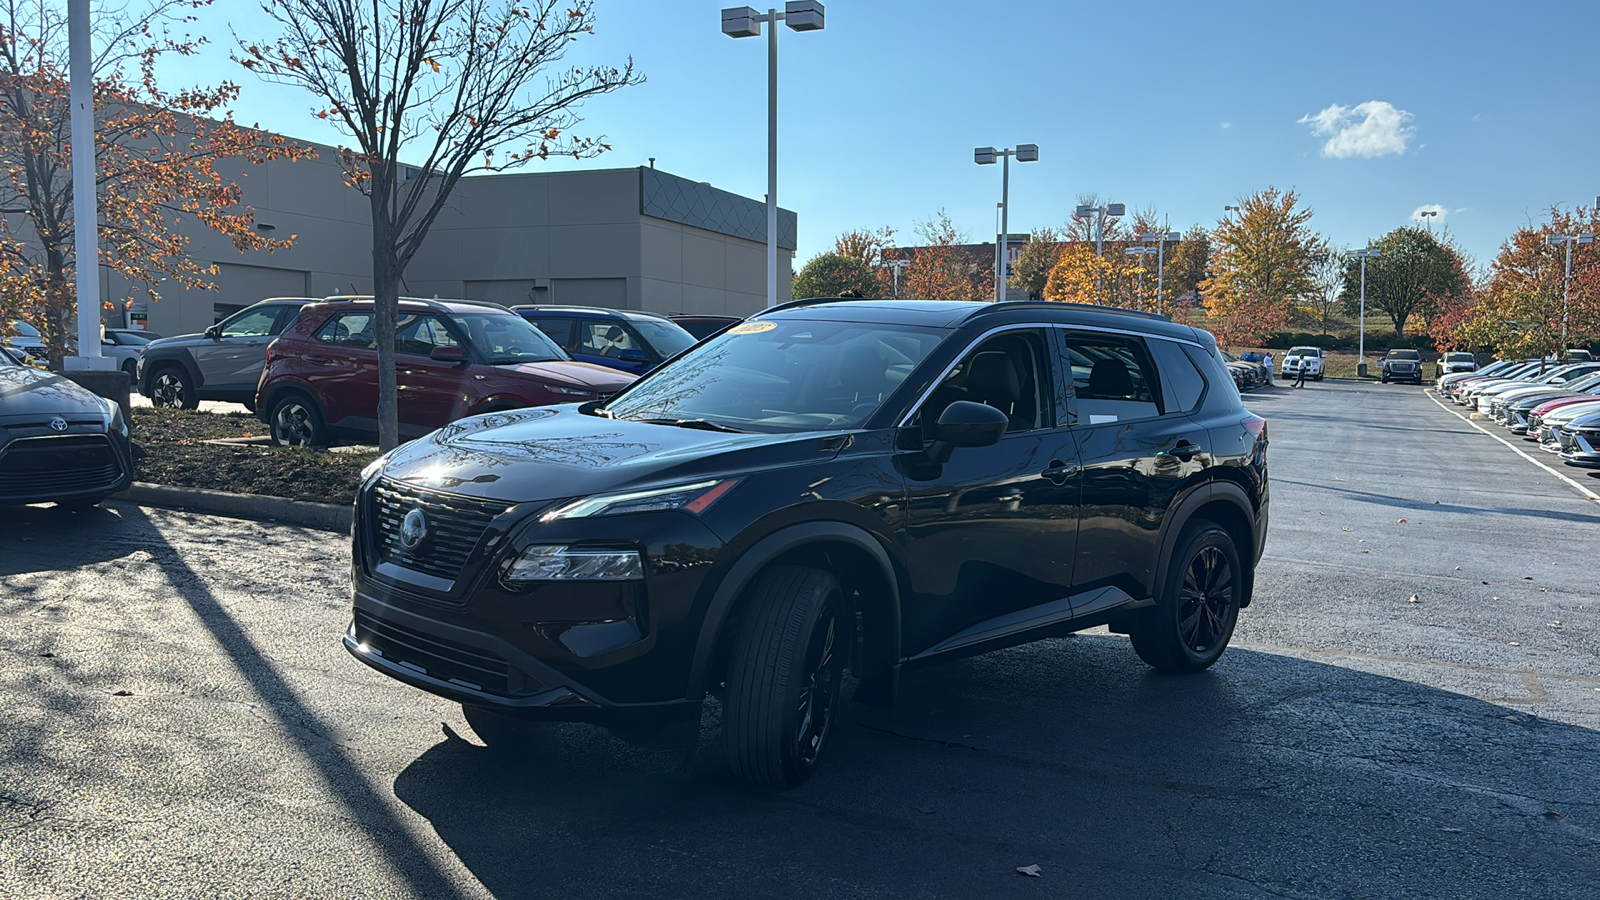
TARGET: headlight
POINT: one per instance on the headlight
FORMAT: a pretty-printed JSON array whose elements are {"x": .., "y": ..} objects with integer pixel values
[
  {"x": 695, "y": 498},
  {"x": 558, "y": 562},
  {"x": 116, "y": 424},
  {"x": 375, "y": 465},
  {"x": 570, "y": 392}
]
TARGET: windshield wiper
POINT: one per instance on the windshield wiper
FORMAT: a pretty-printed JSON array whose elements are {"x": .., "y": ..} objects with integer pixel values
[{"x": 702, "y": 424}]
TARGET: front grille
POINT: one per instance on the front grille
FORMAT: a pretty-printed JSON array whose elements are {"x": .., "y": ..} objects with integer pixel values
[
  {"x": 43, "y": 466},
  {"x": 434, "y": 656},
  {"x": 455, "y": 525}
]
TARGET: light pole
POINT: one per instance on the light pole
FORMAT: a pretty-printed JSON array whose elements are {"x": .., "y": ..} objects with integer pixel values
[
  {"x": 85, "y": 200},
  {"x": 895, "y": 265},
  {"x": 985, "y": 156},
  {"x": 1140, "y": 252},
  {"x": 1428, "y": 215},
  {"x": 1566, "y": 296},
  {"x": 1361, "y": 351},
  {"x": 1114, "y": 210},
  {"x": 744, "y": 21},
  {"x": 1161, "y": 239}
]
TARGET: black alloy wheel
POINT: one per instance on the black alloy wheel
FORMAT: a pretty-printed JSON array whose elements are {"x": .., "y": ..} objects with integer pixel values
[
  {"x": 132, "y": 368},
  {"x": 785, "y": 676},
  {"x": 296, "y": 422},
  {"x": 1199, "y": 605},
  {"x": 172, "y": 389}
]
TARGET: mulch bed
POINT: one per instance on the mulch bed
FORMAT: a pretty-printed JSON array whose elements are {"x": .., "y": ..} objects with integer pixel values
[{"x": 169, "y": 449}]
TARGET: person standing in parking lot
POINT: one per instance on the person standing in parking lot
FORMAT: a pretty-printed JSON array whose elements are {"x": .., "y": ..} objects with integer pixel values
[
  {"x": 1300, "y": 375},
  {"x": 1267, "y": 361}
]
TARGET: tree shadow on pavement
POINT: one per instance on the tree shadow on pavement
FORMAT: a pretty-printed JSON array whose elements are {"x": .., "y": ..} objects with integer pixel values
[{"x": 1267, "y": 776}]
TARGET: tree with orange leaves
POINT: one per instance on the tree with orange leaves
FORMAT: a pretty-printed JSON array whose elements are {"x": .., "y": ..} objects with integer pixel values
[
  {"x": 1262, "y": 265},
  {"x": 944, "y": 267},
  {"x": 155, "y": 152},
  {"x": 1523, "y": 307}
]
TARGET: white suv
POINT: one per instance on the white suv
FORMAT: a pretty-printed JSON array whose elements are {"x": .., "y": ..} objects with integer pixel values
[{"x": 1309, "y": 357}]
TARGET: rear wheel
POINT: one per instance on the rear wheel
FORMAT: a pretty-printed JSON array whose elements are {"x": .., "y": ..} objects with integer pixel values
[
  {"x": 296, "y": 422},
  {"x": 171, "y": 388},
  {"x": 785, "y": 676},
  {"x": 132, "y": 368},
  {"x": 1199, "y": 603}
]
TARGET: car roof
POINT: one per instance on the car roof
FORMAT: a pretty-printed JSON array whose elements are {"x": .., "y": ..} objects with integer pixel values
[
  {"x": 592, "y": 312},
  {"x": 956, "y": 313},
  {"x": 411, "y": 303}
]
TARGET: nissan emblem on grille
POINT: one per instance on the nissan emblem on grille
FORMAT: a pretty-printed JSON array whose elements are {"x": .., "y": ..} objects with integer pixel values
[
  {"x": 413, "y": 528},
  {"x": 58, "y": 424}
]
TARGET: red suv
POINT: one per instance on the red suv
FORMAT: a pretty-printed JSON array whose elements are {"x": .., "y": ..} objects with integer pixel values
[{"x": 453, "y": 358}]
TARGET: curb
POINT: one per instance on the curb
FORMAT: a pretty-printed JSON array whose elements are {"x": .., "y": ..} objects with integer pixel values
[{"x": 324, "y": 516}]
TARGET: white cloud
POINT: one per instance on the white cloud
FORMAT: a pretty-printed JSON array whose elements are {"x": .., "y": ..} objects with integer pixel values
[
  {"x": 1373, "y": 128},
  {"x": 1439, "y": 213},
  {"x": 1225, "y": 125}
]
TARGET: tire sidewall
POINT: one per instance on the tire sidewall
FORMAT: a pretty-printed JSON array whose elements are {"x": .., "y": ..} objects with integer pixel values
[
  {"x": 1159, "y": 640},
  {"x": 186, "y": 397},
  {"x": 318, "y": 437}
]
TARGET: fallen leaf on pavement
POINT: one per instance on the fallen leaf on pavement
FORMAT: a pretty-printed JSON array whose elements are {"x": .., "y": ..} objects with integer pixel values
[
  {"x": 1402, "y": 521},
  {"x": 1555, "y": 624},
  {"x": 1527, "y": 578},
  {"x": 1414, "y": 599},
  {"x": 122, "y": 693},
  {"x": 1514, "y": 643},
  {"x": 1032, "y": 871},
  {"x": 1346, "y": 528}
]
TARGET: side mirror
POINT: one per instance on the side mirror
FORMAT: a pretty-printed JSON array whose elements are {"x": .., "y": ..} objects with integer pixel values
[
  {"x": 214, "y": 332},
  {"x": 632, "y": 355},
  {"x": 966, "y": 424},
  {"x": 448, "y": 354}
]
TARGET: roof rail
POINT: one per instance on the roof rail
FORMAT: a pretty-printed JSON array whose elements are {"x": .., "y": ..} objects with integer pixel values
[
  {"x": 809, "y": 301},
  {"x": 1002, "y": 305},
  {"x": 432, "y": 303}
]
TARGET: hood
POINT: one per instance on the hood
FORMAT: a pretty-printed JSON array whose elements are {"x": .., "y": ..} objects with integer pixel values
[
  {"x": 30, "y": 395},
  {"x": 555, "y": 452},
  {"x": 1574, "y": 410},
  {"x": 575, "y": 374}
]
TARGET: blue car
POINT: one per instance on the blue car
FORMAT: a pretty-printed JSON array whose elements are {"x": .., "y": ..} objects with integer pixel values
[{"x": 629, "y": 340}]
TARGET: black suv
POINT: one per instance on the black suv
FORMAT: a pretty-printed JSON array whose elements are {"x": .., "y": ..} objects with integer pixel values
[{"x": 867, "y": 485}]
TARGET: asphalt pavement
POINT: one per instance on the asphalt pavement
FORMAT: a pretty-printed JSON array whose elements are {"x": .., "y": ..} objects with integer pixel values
[{"x": 1411, "y": 708}]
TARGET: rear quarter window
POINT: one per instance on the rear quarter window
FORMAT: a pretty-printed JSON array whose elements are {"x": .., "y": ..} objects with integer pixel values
[{"x": 1182, "y": 384}]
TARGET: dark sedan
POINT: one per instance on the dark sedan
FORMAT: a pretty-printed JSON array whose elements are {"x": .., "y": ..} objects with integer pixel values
[{"x": 58, "y": 441}]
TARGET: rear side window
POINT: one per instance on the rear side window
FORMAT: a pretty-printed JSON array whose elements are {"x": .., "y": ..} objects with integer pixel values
[
  {"x": 598, "y": 337},
  {"x": 1113, "y": 378},
  {"x": 419, "y": 335},
  {"x": 351, "y": 329},
  {"x": 1181, "y": 383},
  {"x": 558, "y": 330}
]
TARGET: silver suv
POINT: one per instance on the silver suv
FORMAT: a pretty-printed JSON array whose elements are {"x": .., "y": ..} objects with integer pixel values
[{"x": 222, "y": 363}]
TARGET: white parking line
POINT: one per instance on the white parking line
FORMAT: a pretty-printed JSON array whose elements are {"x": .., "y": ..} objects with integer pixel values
[{"x": 1591, "y": 495}]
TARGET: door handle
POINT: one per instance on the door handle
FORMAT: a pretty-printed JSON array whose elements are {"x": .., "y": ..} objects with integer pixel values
[
  {"x": 1059, "y": 472},
  {"x": 1185, "y": 451}
]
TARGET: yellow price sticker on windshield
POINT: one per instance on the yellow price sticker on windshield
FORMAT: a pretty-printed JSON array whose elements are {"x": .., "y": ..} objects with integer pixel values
[{"x": 752, "y": 327}]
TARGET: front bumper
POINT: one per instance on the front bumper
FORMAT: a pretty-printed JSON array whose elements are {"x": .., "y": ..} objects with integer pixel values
[
  {"x": 84, "y": 463},
  {"x": 1581, "y": 448}
]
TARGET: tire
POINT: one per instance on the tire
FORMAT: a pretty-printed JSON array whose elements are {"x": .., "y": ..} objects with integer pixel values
[
  {"x": 132, "y": 368},
  {"x": 171, "y": 388},
  {"x": 297, "y": 422},
  {"x": 1317, "y": 377},
  {"x": 1199, "y": 604},
  {"x": 785, "y": 676}
]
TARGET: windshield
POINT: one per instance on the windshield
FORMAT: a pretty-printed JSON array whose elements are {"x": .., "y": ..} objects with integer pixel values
[
  {"x": 780, "y": 376},
  {"x": 1403, "y": 354},
  {"x": 130, "y": 337},
  {"x": 1303, "y": 351},
  {"x": 1458, "y": 357},
  {"x": 505, "y": 340},
  {"x": 668, "y": 338},
  {"x": 23, "y": 329},
  {"x": 1584, "y": 383}
]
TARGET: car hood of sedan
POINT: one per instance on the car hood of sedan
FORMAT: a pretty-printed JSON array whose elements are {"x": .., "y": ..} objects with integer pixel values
[
  {"x": 32, "y": 395},
  {"x": 555, "y": 452},
  {"x": 575, "y": 374}
]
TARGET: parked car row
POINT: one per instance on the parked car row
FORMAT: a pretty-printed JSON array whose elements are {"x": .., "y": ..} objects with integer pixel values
[
  {"x": 1556, "y": 407},
  {"x": 1247, "y": 374}
]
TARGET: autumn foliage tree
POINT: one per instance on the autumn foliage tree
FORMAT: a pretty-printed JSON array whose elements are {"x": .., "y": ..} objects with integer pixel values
[
  {"x": 1262, "y": 265},
  {"x": 1523, "y": 308},
  {"x": 944, "y": 266},
  {"x": 1031, "y": 272},
  {"x": 455, "y": 87},
  {"x": 156, "y": 153}
]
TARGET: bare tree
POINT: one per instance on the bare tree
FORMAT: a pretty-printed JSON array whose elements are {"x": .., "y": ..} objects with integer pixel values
[{"x": 452, "y": 84}]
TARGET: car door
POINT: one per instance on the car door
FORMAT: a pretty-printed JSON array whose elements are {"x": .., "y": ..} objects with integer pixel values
[
  {"x": 1138, "y": 448},
  {"x": 430, "y": 391},
  {"x": 992, "y": 531},
  {"x": 234, "y": 357},
  {"x": 341, "y": 364}
]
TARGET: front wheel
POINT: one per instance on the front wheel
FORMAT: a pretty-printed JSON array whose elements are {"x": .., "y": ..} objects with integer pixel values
[
  {"x": 785, "y": 676},
  {"x": 172, "y": 389},
  {"x": 296, "y": 422},
  {"x": 1199, "y": 604}
]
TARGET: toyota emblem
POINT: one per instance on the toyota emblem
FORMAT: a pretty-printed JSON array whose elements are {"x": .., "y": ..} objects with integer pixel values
[
  {"x": 413, "y": 528},
  {"x": 58, "y": 424}
]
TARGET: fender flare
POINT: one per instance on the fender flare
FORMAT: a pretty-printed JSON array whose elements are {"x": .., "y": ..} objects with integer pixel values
[
  {"x": 1227, "y": 492},
  {"x": 179, "y": 355},
  {"x": 744, "y": 570}
]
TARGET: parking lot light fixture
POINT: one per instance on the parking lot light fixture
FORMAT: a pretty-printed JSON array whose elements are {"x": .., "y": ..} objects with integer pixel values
[
  {"x": 894, "y": 266},
  {"x": 1161, "y": 239},
  {"x": 1114, "y": 210},
  {"x": 1566, "y": 294},
  {"x": 1428, "y": 215},
  {"x": 1141, "y": 252},
  {"x": 745, "y": 21},
  {"x": 986, "y": 156},
  {"x": 1363, "y": 254}
]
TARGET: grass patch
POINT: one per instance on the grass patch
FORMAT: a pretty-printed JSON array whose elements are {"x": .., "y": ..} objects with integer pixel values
[{"x": 170, "y": 449}]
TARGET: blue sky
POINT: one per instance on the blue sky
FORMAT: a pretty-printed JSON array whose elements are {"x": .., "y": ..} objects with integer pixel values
[{"x": 1370, "y": 110}]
